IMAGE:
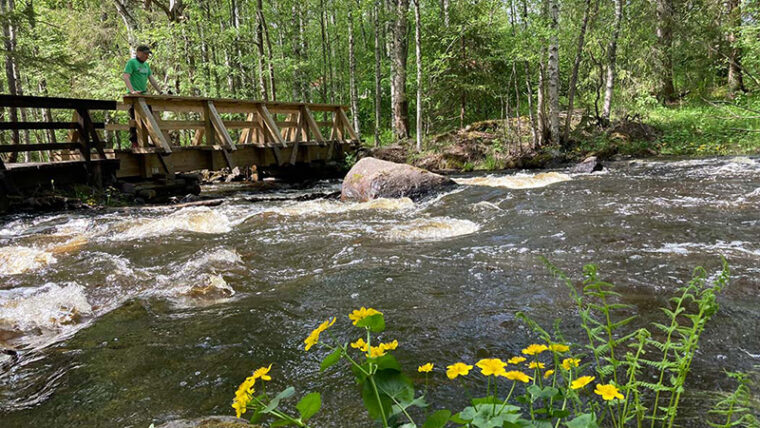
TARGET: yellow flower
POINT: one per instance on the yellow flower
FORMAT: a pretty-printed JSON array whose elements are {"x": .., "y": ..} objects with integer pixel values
[
  {"x": 548, "y": 373},
  {"x": 359, "y": 314},
  {"x": 567, "y": 363},
  {"x": 376, "y": 351},
  {"x": 314, "y": 335},
  {"x": 535, "y": 365},
  {"x": 360, "y": 344},
  {"x": 517, "y": 376},
  {"x": 389, "y": 346},
  {"x": 581, "y": 382},
  {"x": 457, "y": 369},
  {"x": 558, "y": 347},
  {"x": 534, "y": 349},
  {"x": 261, "y": 373},
  {"x": 516, "y": 360},
  {"x": 425, "y": 368},
  {"x": 608, "y": 392},
  {"x": 491, "y": 366},
  {"x": 243, "y": 396}
]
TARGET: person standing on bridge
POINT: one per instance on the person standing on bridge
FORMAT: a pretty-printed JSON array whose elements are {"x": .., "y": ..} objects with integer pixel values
[{"x": 136, "y": 75}]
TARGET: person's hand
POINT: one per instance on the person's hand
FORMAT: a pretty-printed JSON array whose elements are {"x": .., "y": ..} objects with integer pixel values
[{"x": 135, "y": 92}]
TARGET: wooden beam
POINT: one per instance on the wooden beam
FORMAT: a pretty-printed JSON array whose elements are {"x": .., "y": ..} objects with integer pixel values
[
  {"x": 347, "y": 124},
  {"x": 151, "y": 125},
  {"x": 14, "y": 148},
  {"x": 221, "y": 130},
  {"x": 312, "y": 124},
  {"x": 271, "y": 126},
  {"x": 198, "y": 138},
  {"x": 55, "y": 103},
  {"x": 5, "y": 126}
]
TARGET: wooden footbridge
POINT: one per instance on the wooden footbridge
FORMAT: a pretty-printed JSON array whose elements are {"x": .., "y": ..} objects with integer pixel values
[{"x": 174, "y": 135}]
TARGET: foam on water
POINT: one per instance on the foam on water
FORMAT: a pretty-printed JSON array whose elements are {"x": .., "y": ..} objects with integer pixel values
[
  {"x": 50, "y": 307},
  {"x": 434, "y": 228},
  {"x": 720, "y": 247},
  {"x": 15, "y": 259},
  {"x": 323, "y": 206},
  {"x": 194, "y": 219},
  {"x": 517, "y": 181}
]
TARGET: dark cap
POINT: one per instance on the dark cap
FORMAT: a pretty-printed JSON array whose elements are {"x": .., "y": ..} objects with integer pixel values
[{"x": 143, "y": 48}]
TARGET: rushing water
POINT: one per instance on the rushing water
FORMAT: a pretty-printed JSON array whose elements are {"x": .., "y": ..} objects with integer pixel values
[{"x": 147, "y": 315}]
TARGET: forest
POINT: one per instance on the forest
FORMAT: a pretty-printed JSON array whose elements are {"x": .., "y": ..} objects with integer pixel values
[{"x": 410, "y": 69}]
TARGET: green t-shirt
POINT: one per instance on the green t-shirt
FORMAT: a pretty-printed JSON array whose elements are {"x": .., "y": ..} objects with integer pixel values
[{"x": 138, "y": 74}]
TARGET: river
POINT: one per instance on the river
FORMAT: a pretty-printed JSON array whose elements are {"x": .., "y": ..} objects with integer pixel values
[{"x": 139, "y": 316}]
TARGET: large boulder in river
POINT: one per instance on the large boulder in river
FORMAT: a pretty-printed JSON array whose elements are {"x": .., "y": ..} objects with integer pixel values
[
  {"x": 589, "y": 165},
  {"x": 373, "y": 178}
]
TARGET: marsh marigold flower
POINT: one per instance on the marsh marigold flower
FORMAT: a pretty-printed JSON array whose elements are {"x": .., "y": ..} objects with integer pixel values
[
  {"x": 361, "y": 313},
  {"x": 608, "y": 392},
  {"x": 425, "y": 368},
  {"x": 457, "y": 369},
  {"x": 536, "y": 365},
  {"x": 548, "y": 373},
  {"x": 581, "y": 382},
  {"x": 491, "y": 366},
  {"x": 558, "y": 347},
  {"x": 567, "y": 363},
  {"x": 534, "y": 349},
  {"x": 389, "y": 346},
  {"x": 314, "y": 336},
  {"x": 517, "y": 376},
  {"x": 243, "y": 396},
  {"x": 360, "y": 344},
  {"x": 262, "y": 373},
  {"x": 376, "y": 351},
  {"x": 516, "y": 360}
]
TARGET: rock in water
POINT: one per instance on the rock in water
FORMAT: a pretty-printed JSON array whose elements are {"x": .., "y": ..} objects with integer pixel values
[
  {"x": 589, "y": 165},
  {"x": 373, "y": 178}
]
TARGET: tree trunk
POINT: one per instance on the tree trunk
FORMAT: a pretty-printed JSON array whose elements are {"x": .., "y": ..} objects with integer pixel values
[
  {"x": 129, "y": 23},
  {"x": 418, "y": 57},
  {"x": 735, "y": 78},
  {"x": 301, "y": 56},
  {"x": 378, "y": 94},
  {"x": 352, "y": 70},
  {"x": 9, "y": 39},
  {"x": 445, "y": 7},
  {"x": 553, "y": 71},
  {"x": 259, "y": 37},
  {"x": 47, "y": 115},
  {"x": 270, "y": 55},
  {"x": 541, "y": 102},
  {"x": 325, "y": 70},
  {"x": 576, "y": 66},
  {"x": 398, "y": 78},
  {"x": 612, "y": 58},
  {"x": 663, "y": 52}
]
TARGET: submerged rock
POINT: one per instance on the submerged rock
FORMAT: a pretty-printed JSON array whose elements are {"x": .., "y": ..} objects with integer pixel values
[
  {"x": 589, "y": 165},
  {"x": 207, "y": 422},
  {"x": 373, "y": 178}
]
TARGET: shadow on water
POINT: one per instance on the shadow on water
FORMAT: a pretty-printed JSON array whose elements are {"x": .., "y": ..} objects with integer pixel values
[{"x": 151, "y": 315}]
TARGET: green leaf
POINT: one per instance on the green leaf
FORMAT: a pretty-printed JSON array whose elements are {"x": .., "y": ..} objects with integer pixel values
[
  {"x": 387, "y": 361},
  {"x": 371, "y": 404},
  {"x": 438, "y": 419},
  {"x": 287, "y": 393},
  {"x": 586, "y": 420},
  {"x": 375, "y": 323},
  {"x": 331, "y": 359},
  {"x": 309, "y": 405}
]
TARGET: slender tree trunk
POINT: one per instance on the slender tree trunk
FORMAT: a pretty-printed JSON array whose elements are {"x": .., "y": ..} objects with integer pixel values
[
  {"x": 47, "y": 115},
  {"x": 259, "y": 36},
  {"x": 576, "y": 66},
  {"x": 463, "y": 93},
  {"x": 418, "y": 57},
  {"x": 378, "y": 94},
  {"x": 129, "y": 23},
  {"x": 301, "y": 55},
  {"x": 9, "y": 39},
  {"x": 541, "y": 102},
  {"x": 445, "y": 8},
  {"x": 398, "y": 78},
  {"x": 325, "y": 68},
  {"x": 735, "y": 78},
  {"x": 553, "y": 71},
  {"x": 352, "y": 69},
  {"x": 663, "y": 53},
  {"x": 270, "y": 55},
  {"x": 612, "y": 58}
]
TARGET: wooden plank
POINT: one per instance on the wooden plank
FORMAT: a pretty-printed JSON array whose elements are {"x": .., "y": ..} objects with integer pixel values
[
  {"x": 221, "y": 130},
  {"x": 55, "y": 103},
  {"x": 209, "y": 129},
  {"x": 151, "y": 125},
  {"x": 337, "y": 126},
  {"x": 312, "y": 124},
  {"x": 15, "y": 148},
  {"x": 246, "y": 135},
  {"x": 168, "y": 125},
  {"x": 347, "y": 125},
  {"x": 87, "y": 127},
  {"x": 198, "y": 137},
  {"x": 274, "y": 131}
]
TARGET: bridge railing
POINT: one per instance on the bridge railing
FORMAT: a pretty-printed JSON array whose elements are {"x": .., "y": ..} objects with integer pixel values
[
  {"x": 224, "y": 123},
  {"x": 82, "y": 135}
]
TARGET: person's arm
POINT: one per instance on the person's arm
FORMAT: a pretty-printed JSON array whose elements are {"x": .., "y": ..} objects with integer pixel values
[
  {"x": 125, "y": 77},
  {"x": 155, "y": 84}
]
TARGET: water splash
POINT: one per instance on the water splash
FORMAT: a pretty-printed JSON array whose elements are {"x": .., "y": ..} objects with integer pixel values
[
  {"x": 518, "y": 181},
  {"x": 435, "y": 228},
  {"x": 15, "y": 259},
  {"x": 195, "y": 219},
  {"x": 50, "y": 307},
  {"x": 322, "y": 206}
]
